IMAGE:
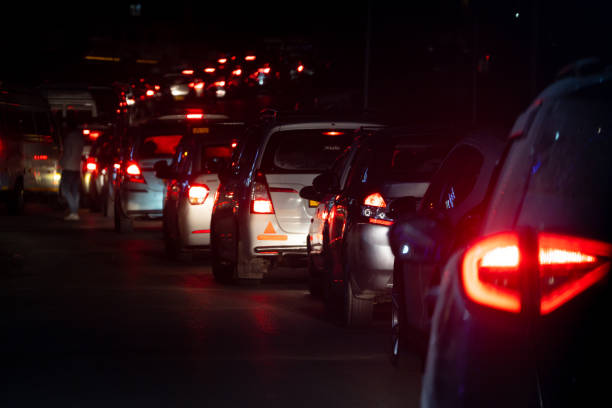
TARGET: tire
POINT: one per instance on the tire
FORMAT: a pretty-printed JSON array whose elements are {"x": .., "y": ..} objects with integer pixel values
[
  {"x": 173, "y": 246},
  {"x": 397, "y": 346},
  {"x": 223, "y": 271},
  {"x": 123, "y": 224},
  {"x": 357, "y": 312},
  {"x": 16, "y": 201}
]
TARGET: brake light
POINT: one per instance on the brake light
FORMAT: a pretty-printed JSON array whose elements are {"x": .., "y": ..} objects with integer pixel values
[
  {"x": 187, "y": 72},
  {"x": 333, "y": 133},
  {"x": 91, "y": 166},
  {"x": 116, "y": 166},
  {"x": 194, "y": 115},
  {"x": 133, "y": 170},
  {"x": 197, "y": 194},
  {"x": 198, "y": 85},
  {"x": 237, "y": 72},
  {"x": 220, "y": 83},
  {"x": 86, "y": 132},
  {"x": 375, "y": 200},
  {"x": 40, "y": 157},
  {"x": 300, "y": 68},
  {"x": 209, "y": 70},
  {"x": 569, "y": 266},
  {"x": 150, "y": 92},
  {"x": 261, "y": 203},
  {"x": 94, "y": 135},
  {"x": 490, "y": 272},
  {"x": 234, "y": 144},
  {"x": 250, "y": 58},
  {"x": 222, "y": 60}
]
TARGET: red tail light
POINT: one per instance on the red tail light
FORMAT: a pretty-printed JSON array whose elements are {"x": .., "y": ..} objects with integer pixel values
[
  {"x": 237, "y": 72},
  {"x": 490, "y": 272},
  {"x": 133, "y": 173},
  {"x": 150, "y": 92},
  {"x": 300, "y": 68},
  {"x": 91, "y": 166},
  {"x": 197, "y": 194},
  {"x": 220, "y": 83},
  {"x": 187, "y": 72},
  {"x": 222, "y": 60},
  {"x": 209, "y": 70},
  {"x": 261, "y": 203},
  {"x": 375, "y": 200},
  {"x": 194, "y": 115},
  {"x": 569, "y": 266},
  {"x": 93, "y": 135},
  {"x": 116, "y": 166},
  {"x": 250, "y": 58},
  {"x": 198, "y": 85}
]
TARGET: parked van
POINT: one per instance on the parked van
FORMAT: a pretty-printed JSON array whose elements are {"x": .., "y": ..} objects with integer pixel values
[{"x": 29, "y": 147}]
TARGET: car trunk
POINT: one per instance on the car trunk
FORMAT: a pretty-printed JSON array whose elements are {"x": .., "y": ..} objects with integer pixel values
[
  {"x": 293, "y": 213},
  {"x": 148, "y": 173}
]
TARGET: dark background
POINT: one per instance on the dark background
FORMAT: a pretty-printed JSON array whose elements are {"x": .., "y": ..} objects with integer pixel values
[{"x": 451, "y": 60}]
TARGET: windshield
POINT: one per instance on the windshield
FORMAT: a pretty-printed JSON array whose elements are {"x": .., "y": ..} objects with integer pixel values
[{"x": 158, "y": 146}]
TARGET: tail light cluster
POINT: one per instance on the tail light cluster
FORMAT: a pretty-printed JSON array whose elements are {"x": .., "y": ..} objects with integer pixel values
[
  {"x": 374, "y": 208},
  {"x": 567, "y": 266},
  {"x": 133, "y": 173},
  {"x": 91, "y": 165},
  {"x": 261, "y": 202},
  {"x": 197, "y": 194}
]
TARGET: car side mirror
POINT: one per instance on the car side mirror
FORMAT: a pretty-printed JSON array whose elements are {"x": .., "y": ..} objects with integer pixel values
[
  {"x": 162, "y": 170},
  {"x": 326, "y": 183},
  {"x": 419, "y": 239},
  {"x": 309, "y": 193}
]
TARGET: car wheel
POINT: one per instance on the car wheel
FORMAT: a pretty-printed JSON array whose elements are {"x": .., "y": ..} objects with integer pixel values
[
  {"x": 16, "y": 201},
  {"x": 398, "y": 322},
  {"x": 357, "y": 312},
  {"x": 223, "y": 270},
  {"x": 122, "y": 223},
  {"x": 173, "y": 245}
]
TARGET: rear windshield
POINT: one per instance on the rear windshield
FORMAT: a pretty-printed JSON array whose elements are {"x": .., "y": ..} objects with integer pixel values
[
  {"x": 305, "y": 151},
  {"x": 158, "y": 146},
  {"x": 413, "y": 162}
]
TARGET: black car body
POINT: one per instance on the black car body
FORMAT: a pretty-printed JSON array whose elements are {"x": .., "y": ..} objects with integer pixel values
[
  {"x": 523, "y": 312},
  {"x": 455, "y": 198}
]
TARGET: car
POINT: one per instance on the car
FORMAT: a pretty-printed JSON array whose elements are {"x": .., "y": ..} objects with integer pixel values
[
  {"x": 523, "y": 310},
  {"x": 102, "y": 164},
  {"x": 192, "y": 183},
  {"x": 259, "y": 219},
  {"x": 138, "y": 192},
  {"x": 455, "y": 198},
  {"x": 29, "y": 147},
  {"x": 349, "y": 251}
]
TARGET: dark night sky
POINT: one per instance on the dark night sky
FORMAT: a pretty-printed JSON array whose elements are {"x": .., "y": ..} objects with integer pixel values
[{"x": 422, "y": 51}]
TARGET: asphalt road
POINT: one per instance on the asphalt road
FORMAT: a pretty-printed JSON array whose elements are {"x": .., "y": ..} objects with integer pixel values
[{"x": 91, "y": 318}]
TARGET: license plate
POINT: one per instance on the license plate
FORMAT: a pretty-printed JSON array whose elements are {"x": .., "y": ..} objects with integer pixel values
[
  {"x": 199, "y": 131},
  {"x": 313, "y": 203}
]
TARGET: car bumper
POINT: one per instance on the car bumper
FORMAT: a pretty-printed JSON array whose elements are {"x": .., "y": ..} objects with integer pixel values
[{"x": 194, "y": 223}]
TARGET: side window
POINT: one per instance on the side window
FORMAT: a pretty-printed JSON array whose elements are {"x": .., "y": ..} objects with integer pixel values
[
  {"x": 358, "y": 173},
  {"x": 455, "y": 180},
  {"x": 339, "y": 166}
]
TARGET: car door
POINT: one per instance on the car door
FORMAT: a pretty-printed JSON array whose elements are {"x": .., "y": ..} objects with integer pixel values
[{"x": 181, "y": 167}]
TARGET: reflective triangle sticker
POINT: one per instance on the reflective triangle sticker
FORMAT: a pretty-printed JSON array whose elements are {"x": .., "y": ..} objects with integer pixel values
[{"x": 270, "y": 229}]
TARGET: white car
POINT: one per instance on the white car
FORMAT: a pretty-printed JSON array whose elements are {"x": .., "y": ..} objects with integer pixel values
[
  {"x": 192, "y": 182},
  {"x": 259, "y": 217}
]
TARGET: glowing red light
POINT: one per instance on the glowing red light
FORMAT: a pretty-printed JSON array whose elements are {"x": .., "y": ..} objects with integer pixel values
[
  {"x": 249, "y": 58},
  {"x": 157, "y": 87},
  {"x": 498, "y": 256},
  {"x": 237, "y": 72},
  {"x": 234, "y": 144},
  {"x": 194, "y": 115},
  {"x": 220, "y": 83},
  {"x": 199, "y": 85},
  {"x": 133, "y": 170},
  {"x": 191, "y": 84},
  {"x": 261, "y": 206},
  {"x": 187, "y": 72},
  {"x": 150, "y": 92},
  {"x": 300, "y": 68},
  {"x": 209, "y": 70},
  {"x": 40, "y": 157},
  {"x": 380, "y": 222},
  {"x": 333, "y": 133},
  {"x": 375, "y": 200},
  {"x": 94, "y": 135},
  {"x": 86, "y": 131},
  {"x": 197, "y": 194},
  {"x": 91, "y": 166},
  {"x": 116, "y": 166},
  {"x": 222, "y": 60}
]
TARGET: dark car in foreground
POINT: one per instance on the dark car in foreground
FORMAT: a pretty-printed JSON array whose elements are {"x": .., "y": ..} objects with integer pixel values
[
  {"x": 523, "y": 312},
  {"x": 455, "y": 199},
  {"x": 349, "y": 251}
]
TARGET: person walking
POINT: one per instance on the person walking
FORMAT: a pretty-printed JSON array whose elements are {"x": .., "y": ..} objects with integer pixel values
[{"x": 71, "y": 169}]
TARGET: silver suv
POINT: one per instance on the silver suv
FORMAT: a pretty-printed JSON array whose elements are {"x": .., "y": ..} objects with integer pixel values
[{"x": 259, "y": 216}]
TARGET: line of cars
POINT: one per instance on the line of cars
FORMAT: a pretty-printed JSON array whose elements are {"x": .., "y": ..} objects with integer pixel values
[{"x": 492, "y": 250}]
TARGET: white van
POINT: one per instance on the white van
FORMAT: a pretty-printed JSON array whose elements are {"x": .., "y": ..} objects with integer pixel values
[{"x": 29, "y": 147}]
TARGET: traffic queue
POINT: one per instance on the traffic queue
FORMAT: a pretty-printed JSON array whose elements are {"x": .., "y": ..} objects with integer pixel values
[{"x": 491, "y": 247}]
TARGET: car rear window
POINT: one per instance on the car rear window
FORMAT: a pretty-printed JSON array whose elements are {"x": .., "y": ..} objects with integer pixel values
[
  {"x": 410, "y": 162},
  {"x": 305, "y": 151},
  {"x": 158, "y": 146}
]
